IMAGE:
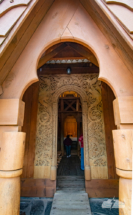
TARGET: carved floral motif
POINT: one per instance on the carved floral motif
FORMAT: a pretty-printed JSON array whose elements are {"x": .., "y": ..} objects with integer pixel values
[{"x": 87, "y": 84}]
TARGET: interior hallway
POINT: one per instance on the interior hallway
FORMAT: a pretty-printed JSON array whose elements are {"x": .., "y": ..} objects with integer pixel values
[{"x": 70, "y": 167}]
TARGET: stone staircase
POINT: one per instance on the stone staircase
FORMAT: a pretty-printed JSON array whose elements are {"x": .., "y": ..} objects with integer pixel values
[{"x": 70, "y": 197}]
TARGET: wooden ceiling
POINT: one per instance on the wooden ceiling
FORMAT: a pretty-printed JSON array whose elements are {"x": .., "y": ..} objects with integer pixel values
[{"x": 67, "y": 50}]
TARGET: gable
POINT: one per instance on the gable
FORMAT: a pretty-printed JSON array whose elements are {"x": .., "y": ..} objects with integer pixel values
[{"x": 61, "y": 19}]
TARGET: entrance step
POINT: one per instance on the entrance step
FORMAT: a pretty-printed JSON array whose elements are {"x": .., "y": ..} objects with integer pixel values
[
  {"x": 70, "y": 203},
  {"x": 70, "y": 197},
  {"x": 74, "y": 190},
  {"x": 70, "y": 182}
]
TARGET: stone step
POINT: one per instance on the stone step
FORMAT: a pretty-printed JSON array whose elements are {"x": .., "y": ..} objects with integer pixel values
[
  {"x": 70, "y": 203},
  {"x": 71, "y": 177},
  {"x": 74, "y": 181},
  {"x": 69, "y": 190},
  {"x": 71, "y": 187},
  {"x": 81, "y": 196},
  {"x": 74, "y": 190},
  {"x": 70, "y": 182},
  {"x": 74, "y": 204}
]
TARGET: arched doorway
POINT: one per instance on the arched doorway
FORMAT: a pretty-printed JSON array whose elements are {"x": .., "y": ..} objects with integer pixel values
[
  {"x": 53, "y": 82},
  {"x": 23, "y": 70},
  {"x": 69, "y": 123}
]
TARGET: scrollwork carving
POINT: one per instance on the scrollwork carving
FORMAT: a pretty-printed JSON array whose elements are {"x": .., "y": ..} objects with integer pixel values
[{"x": 89, "y": 88}]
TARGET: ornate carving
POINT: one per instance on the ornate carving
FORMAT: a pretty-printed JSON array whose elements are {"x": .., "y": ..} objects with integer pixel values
[
  {"x": 44, "y": 126},
  {"x": 89, "y": 88}
]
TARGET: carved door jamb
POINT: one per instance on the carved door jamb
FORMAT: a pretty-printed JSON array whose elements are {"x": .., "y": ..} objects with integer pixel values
[
  {"x": 55, "y": 131},
  {"x": 54, "y": 140}
]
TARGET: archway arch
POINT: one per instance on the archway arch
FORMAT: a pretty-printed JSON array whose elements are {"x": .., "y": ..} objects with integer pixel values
[
  {"x": 70, "y": 87},
  {"x": 70, "y": 39},
  {"x": 48, "y": 120},
  {"x": 89, "y": 89},
  {"x": 89, "y": 46},
  {"x": 62, "y": 40}
]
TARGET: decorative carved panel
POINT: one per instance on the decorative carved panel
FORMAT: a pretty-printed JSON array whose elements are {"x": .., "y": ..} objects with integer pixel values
[
  {"x": 89, "y": 88},
  {"x": 44, "y": 125}
]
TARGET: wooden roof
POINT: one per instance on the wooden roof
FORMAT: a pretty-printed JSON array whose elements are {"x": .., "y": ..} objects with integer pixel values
[
  {"x": 21, "y": 18},
  {"x": 14, "y": 12}
]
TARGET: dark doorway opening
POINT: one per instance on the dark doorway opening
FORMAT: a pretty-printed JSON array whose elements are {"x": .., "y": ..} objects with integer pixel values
[
  {"x": 69, "y": 120},
  {"x": 69, "y": 123}
]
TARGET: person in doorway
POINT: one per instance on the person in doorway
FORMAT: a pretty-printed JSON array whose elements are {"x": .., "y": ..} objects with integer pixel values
[
  {"x": 68, "y": 144},
  {"x": 82, "y": 151}
]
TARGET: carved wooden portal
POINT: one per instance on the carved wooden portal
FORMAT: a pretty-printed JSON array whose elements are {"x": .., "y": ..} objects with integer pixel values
[{"x": 89, "y": 89}]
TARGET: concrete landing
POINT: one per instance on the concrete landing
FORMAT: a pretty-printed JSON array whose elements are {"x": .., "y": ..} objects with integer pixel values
[{"x": 70, "y": 203}]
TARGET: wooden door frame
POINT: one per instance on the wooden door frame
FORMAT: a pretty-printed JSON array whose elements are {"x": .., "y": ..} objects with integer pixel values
[{"x": 83, "y": 97}]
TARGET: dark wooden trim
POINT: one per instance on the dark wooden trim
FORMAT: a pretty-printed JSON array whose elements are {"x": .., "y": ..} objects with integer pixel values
[
  {"x": 102, "y": 188},
  {"x": 64, "y": 65},
  {"x": 37, "y": 187},
  {"x": 29, "y": 127},
  {"x": 80, "y": 68},
  {"x": 51, "y": 54},
  {"x": 84, "y": 52},
  {"x": 96, "y": 188},
  {"x": 107, "y": 99},
  {"x": 70, "y": 111},
  {"x": 69, "y": 98}
]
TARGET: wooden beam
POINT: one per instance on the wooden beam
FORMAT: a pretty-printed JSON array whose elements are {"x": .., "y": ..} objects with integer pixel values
[
  {"x": 51, "y": 54},
  {"x": 30, "y": 122},
  {"x": 107, "y": 99},
  {"x": 61, "y": 69},
  {"x": 111, "y": 31},
  {"x": 52, "y": 48},
  {"x": 85, "y": 53},
  {"x": 70, "y": 105},
  {"x": 67, "y": 58},
  {"x": 22, "y": 37},
  {"x": 77, "y": 105}
]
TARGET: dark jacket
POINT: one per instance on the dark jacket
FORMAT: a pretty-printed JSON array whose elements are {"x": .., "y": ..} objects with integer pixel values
[{"x": 68, "y": 141}]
